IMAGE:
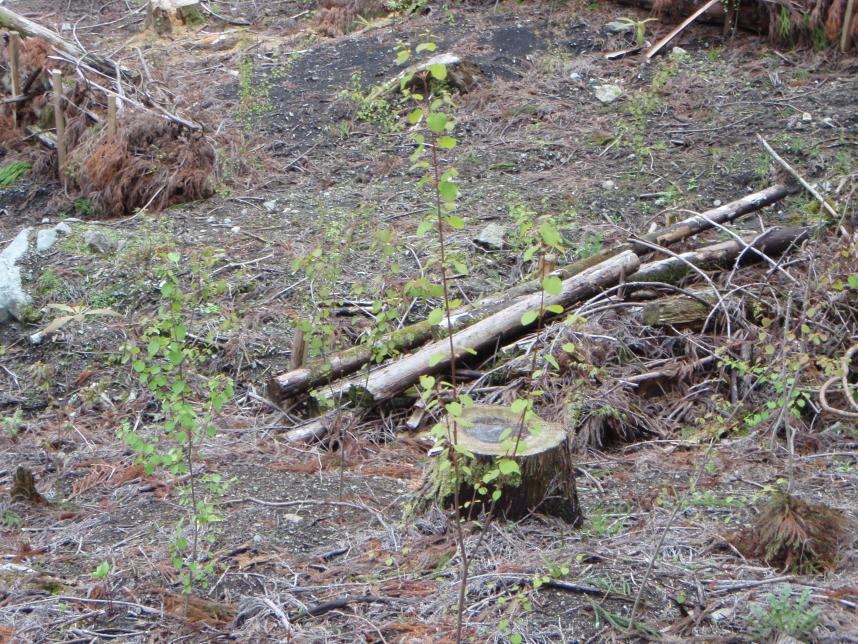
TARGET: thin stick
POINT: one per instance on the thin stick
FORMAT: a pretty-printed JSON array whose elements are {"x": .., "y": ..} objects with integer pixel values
[
  {"x": 661, "y": 43},
  {"x": 14, "y": 40},
  {"x": 57, "y": 83},
  {"x": 786, "y": 166}
]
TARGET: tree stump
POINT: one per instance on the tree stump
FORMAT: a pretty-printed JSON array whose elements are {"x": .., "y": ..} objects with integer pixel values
[
  {"x": 545, "y": 482},
  {"x": 163, "y": 15}
]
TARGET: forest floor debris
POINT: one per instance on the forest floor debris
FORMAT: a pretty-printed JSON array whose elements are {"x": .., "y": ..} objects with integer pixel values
[{"x": 679, "y": 451}]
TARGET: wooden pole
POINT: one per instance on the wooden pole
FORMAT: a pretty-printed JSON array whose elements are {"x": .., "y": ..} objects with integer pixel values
[
  {"x": 846, "y": 34},
  {"x": 111, "y": 115},
  {"x": 14, "y": 41},
  {"x": 57, "y": 83}
]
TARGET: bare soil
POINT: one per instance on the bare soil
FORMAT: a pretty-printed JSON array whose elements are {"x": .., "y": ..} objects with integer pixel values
[{"x": 299, "y": 169}]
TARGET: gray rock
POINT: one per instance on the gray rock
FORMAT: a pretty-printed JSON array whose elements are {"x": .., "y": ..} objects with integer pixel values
[
  {"x": 619, "y": 27},
  {"x": 491, "y": 237},
  {"x": 100, "y": 243},
  {"x": 609, "y": 185},
  {"x": 678, "y": 52},
  {"x": 12, "y": 296},
  {"x": 608, "y": 93},
  {"x": 63, "y": 228},
  {"x": 270, "y": 206},
  {"x": 45, "y": 238}
]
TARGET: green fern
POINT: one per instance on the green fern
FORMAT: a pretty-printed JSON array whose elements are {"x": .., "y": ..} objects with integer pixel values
[{"x": 11, "y": 172}]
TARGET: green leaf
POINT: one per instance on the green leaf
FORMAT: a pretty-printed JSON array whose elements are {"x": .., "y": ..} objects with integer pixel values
[
  {"x": 454, "y": 409},
  {"x": 529, "y": 253},
  {"x": 518, "y": 406},
  {"x": 456, "y": 222},
  {"x": 181, "y": 332},
  {"x": 550, "y": 235},
  {"x": 438, "y": 71},
  {"x": 552, "y": 285},
  {"x": 529, "y": 318},
  {"x": 139, "y": 366},
  {"x": 508, "y": 466},
  {"x": 435, "y": 316},
  {"x": 464, "y": 451},
  {"x": 415, "y": 115},
  {"x": 448, "y": 190},
  {"x": 402, "y": 56},
  {"x": 446, "y": 142},
  {"x": 437, "y": 121},
  {"x": 496, "y": 495},
  {"x": 427, "y": 382},
  {"x": 436, "y": 358},
  {"x": 852, "y": 282},
  {"x": 556, "y": 309}
]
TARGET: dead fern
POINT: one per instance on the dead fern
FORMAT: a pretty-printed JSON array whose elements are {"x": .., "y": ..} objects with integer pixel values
[{"x": 794, "y": 535}]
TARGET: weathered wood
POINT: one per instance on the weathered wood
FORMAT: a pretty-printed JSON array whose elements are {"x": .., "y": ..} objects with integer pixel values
[
  {"x": 323, "y": 371},
  {"x": 545, "y": 482},
  {"x": 677, "y": 30},
  {"x": 111, "y": 115},
  {"x": 847, "y": 27},
  {"x": 163, "y": 15},
  {"x": 27, "y": 27},
  {"x": 718, "y": 256},
  {"x": 15, "y": 73},
  {"x": 679, "y": 311},
  {"x": 59, "y": 119},
  {"x": 400, "y": 374},
  {"x": 751, "y": 16}
]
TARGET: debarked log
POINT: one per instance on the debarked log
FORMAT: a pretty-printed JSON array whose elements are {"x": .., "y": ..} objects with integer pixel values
[
  {"x": 720, "y": 256},
  {"x": 437, "y": 356},
  {"x": 322, "y": 371}
]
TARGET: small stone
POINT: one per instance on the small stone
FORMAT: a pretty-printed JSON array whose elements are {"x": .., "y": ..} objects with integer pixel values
[
  {"x": 609, "y": 185},
  {"x": 257, "y": 539},
  {"x": 716, "y": 203},
  {"x": 491, "y": 237},
  {"x": 45, "y": 238},
  {"x": 678, "y": 52},
  {"x": 46, "y": 220},
  {"x": 235, "y": 230},
  {"x": 806, "y": 116},
  {"x": 270, "y": 206},
  {"x": 608, "y": 93},
  {"x": 63, "y": 228},
  {"x": 292, "y": 518},
  {"x": 575, "y": 76},
  {"x": 227, "y": 221},
  {"x": 100, "y": 243}
]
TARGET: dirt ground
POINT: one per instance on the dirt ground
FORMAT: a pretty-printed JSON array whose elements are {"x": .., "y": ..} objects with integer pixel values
[{"x": 303, "y": 164}]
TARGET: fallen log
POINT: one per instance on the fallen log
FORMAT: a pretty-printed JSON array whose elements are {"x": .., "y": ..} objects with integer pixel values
[
  {"x": 397, "y": 376},
  {"x": 320, "y": 372},
  {"x": 27, "y": 27},
  {"x": 719, "y": 256}
]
